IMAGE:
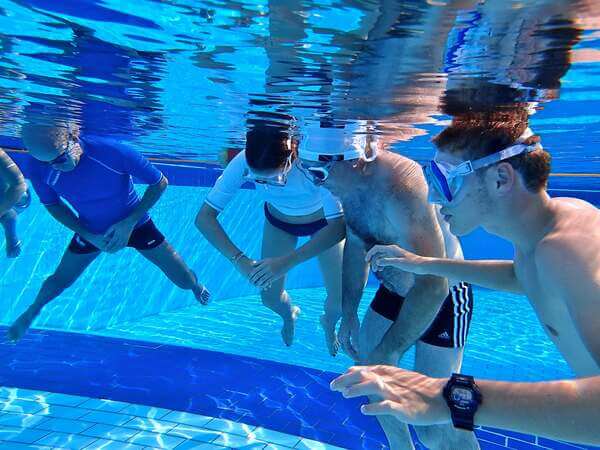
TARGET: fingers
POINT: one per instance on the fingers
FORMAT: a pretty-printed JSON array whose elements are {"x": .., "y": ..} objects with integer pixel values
[
  {"x": 350, "y": 349},
  {"x": 260, "y": 271},
  {"x": 375, "y": 251},
  {"x": 384, "y": 408},
  {"x": 353, "y": 375},
  {"x": 261, "y": 279}
]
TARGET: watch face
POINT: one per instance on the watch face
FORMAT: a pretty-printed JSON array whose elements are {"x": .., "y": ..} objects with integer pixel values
[{"x": 462, "y": 396}]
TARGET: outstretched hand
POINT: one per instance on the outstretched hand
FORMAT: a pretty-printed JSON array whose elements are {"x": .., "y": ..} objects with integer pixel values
[{"x": 409, "y": 396}]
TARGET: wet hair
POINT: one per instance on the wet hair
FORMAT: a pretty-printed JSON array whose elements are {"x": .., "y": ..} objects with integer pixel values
[
  {"x": 47, "y": 137},
  {"x": 475, "y": 135},
  {"x": 267, "y": 146}
]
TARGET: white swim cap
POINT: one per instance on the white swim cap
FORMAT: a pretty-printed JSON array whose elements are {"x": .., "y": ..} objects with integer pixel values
[{"x": 339, "y": 144}]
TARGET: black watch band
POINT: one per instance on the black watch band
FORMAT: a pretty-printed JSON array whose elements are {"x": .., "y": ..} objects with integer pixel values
[{"x": 462, "y": 412}]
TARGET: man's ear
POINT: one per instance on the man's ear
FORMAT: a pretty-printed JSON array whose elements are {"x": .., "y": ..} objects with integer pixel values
[{"x": 501, "y": 178}]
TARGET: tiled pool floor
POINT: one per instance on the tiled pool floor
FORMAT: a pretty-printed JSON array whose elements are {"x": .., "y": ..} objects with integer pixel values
[
  {"x": 45, "y": 420},
  {"x": 194, "y": 399}
]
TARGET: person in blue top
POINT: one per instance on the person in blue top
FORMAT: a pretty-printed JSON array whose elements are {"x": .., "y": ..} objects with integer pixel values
[{"x": 94, "y": 175}]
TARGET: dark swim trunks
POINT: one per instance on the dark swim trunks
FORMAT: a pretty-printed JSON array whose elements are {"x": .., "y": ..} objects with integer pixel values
[
  {"x": 451, "y": 325},
  {"x": 144, "y": 237},
  {"x": 295, "y": 229}
]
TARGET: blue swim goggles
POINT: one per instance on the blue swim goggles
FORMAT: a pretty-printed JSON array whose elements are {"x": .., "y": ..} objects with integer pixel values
[{"x": 445, "y": 180}]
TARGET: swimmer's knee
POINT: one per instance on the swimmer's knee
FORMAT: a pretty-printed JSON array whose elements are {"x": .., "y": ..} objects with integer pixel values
[
  {"x": 273, "y": 297},
  {"x": 58, "y": 283}
]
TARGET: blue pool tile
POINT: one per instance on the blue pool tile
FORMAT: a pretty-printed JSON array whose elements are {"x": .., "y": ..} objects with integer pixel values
[
  {"x": 195, "y": 445},
  {"x": 236, "y": 441},
  {"x": 195, "y": 433},
  {"x": 23, "y": 435},
  {"x": 65, "y": 399},
  {"x": 19, "y": 446},
  {"x": 23, "y": 394},
  {"x": 107, "y": 418},
  {"x": 62, "y": 412},
  {"x": 104, "y": 405},
  {"x": 187, "y": 418},
  {"x": 520, "y": 436},
  {"x": 275, "y": 437},
  {"x": 491, "y": 437},
  {"x": 156, "y": 440},
  {"x": 145, "y": 411},
  {"x": 20, "y": 420},
  {"x": 65, "y": 440},
  {"x": 105, "y": 444},
  {"x": 110, "y": 432},
  {"x": 557, "y": 445},
  {"x": 229, "y": 426},
  {"x": 64, "y": 425},
  {"x": 487, "y": 445},
  {"x": 154, "y": 425},
  {"x": 20, "y": 406},
  {"x": 276, "y": 447},
  {"x": 522, "y": 445},
  {"x": 307, "y": 444}
]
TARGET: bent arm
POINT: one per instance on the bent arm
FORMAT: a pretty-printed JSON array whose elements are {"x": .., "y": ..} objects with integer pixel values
[
  {"x": 355, "y": 273},
  {"x": 149, "y": 199},
  {"x": 63, "y": 214},
  {"x": 492, "y": 274},
  {"x": 323, "y": 239},
  {"x": 426, "y": 296},
  {"x": 208, "y": 224}
]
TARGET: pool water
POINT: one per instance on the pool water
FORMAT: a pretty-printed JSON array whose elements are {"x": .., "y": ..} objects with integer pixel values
[{"x": 505, "y": 342}]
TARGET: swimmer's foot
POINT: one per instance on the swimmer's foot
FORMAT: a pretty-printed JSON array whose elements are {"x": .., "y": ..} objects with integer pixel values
[
  {"x": 13, "y": 249},
  {"x": 331, "y": 339},
  {"x": 289, "y": 326},
  {"x": 21, "y": 325},
  {"x": 202, "y": 294}
]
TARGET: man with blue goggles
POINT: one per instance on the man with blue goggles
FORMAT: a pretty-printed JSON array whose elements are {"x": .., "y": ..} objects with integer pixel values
[
  {"x": 445, "y": 179},
  {"x": 556, "y": 265}
]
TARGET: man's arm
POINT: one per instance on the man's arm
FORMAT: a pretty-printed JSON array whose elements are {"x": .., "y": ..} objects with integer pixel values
[
  {"x": 323, "y": 239},
  {"x": 558, "y": 409},
  {"x": 117, "y": 236},
  {"x": 64, "y": 215},
  {"x": 355, "y": 273},
  {"x": 492, "y": 274},
  {"x": 13, "y": 179},
  {"x": 271, "y": 269},
  {"x": 149, "y": 199},
  {"x": 426, "y": 296}
]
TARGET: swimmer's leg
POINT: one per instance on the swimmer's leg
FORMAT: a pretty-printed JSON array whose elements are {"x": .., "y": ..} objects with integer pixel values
[
  {"x": 70, "y": 268},
  {"x": 441, "y": 362},
  {"x": 372, "y": 329},
  {"x": 172, "y": 265},
  {"x": 330, "y": 262},
  {"x": 276, "y": 243},
  {"x": 9, "y": 223}
]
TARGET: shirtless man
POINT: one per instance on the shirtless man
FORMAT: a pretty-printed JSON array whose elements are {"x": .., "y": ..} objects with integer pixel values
[
  {"x": 492, "y": 172},
  {"x": 385, "y": 199}
]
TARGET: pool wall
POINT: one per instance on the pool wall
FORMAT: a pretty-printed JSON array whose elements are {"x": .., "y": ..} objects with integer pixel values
[{"x": 123, "y": 287}]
